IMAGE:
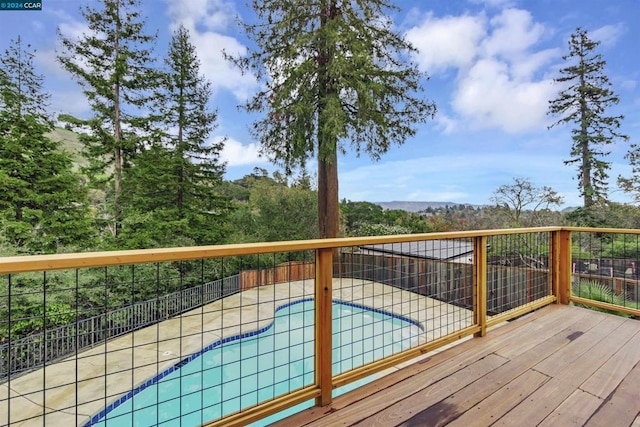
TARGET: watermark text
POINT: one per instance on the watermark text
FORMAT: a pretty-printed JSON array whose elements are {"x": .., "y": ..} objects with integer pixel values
[{"x": 20, "y": 5}]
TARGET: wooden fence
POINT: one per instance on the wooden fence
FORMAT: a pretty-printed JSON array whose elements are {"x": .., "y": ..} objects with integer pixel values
[
  {"x": 39, "y": 349},
  {"x": 291, "y": 271},
  {"x": 451, "y": 282}
]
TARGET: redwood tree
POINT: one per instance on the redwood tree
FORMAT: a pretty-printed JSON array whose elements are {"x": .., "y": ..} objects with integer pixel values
[
  {"x": 584, "y": 102},
  {"x": 335, "y": 77}
]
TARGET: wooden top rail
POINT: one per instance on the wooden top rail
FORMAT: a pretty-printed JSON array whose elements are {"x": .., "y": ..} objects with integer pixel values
[
  {"x": 21, "y": 264},
  {"x": 603, "y": 230}
]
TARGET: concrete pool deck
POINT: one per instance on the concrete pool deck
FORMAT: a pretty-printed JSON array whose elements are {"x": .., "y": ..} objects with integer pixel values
[{"x": 74, "y": 389}]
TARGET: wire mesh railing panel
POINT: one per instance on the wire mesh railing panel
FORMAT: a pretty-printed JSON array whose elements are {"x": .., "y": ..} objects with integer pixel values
[
  {"x": 176, "y": 342},
  {"x": 605, "y": 268},
  {"x": 400, "y": 295},
  {"x": 188, "y": 341},
  {"x": 518, "y": 270}
]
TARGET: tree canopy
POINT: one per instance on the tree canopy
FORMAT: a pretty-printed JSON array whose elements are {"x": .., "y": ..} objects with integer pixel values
[
  {"x": 584, "y": 101},
  {"x": 43, "y": 204},
  {"x": 113, "y": 64},
  {"x": 336, "y": 77}
]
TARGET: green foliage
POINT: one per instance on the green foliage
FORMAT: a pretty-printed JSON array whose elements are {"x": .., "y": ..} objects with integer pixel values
[
  {"x": 584, "y": 103},
  {"x": 334, "y": 76},
  {"x": 622, "y": 246},
  {"x": 152, "y": 216},
  {"x": 631, "y": 184},
  {"x": 606, "y": 215},
  {"x": 171, "y": 195},
  {"x": 596, "y": 291},
  {"x": 43, "y": 204},
  {"x": 369, "y": 219},
  {"x": 111, "y": 62},
  {"x": 355, "y": 213},
  {"x": 366, "y": 229},
  {"x": 284, "y": 213}
]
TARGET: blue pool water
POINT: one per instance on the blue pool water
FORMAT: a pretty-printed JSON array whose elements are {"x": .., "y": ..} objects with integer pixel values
[{"x": 241, "y": 371}]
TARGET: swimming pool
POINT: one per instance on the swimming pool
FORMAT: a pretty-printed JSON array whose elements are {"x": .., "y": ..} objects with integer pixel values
[{"x": 241, "y": 371}]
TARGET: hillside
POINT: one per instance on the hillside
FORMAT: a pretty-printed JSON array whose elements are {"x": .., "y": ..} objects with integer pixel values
[
  {"x": 70, "y": 143},
  {"x": 415, "y": 206}
]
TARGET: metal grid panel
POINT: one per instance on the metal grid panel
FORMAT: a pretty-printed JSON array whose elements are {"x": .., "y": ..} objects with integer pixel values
[
  {"x": 157, "y": 343},
  {"x": 605, "y": 268},
  {"x": 518, "y": 271},
  {"x": 421, "y": 290}
]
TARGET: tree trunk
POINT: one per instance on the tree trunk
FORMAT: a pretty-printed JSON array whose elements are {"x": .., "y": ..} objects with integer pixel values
[
  {"x": 328, "y": 208},
  {"x": 328, "y": 200},
  {"x": 117, "y": 131},
  {"x": 586, "y": 161},
  {"x": 179, "y": 145}
]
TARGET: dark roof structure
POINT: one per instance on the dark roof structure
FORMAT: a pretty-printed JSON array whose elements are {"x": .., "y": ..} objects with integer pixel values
[{"x": 441, "y": 250}]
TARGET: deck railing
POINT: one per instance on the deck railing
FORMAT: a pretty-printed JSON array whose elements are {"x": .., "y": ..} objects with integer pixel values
[
  {"x": 30, "y": 352},
  {"x": 365, "y": 312}
]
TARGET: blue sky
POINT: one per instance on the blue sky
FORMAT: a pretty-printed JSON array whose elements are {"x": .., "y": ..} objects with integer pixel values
[{"x": 491, "y": 65}]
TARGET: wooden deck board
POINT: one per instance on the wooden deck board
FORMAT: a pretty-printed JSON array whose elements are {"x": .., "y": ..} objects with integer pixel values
[
  {"x": 583, "y": 341},
  {"x": 607, "y": 378},
  {"x": 502, "y": 401},
  {"x": 574, "y": 411},
  {"x": 558, "y": 366},
  {"x": 551, "y": 395},
  {"x": 623, "y": 405},
  {"x": 475, "y": 393},
  {"x": 431, "y": 396},
  {"x": 542, "y": 331}
]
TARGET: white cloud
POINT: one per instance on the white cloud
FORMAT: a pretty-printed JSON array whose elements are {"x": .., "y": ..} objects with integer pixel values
[
  {"x": 447, "y": 124},
  {"x": 71, "y": 101},
  {"x": 525, "y": 68},
  {"x": 205, "y": 19},
  {"x": 447, "y": 42},
  {"x": 221, "y": 73},
  {"x": 608, "y": 35},
  {"x": 501, "y": 81},
  {"x": 237, "y": 154},
  {"x": 211, "y": 14},
  {"x": 74, "y": 30},
  {"x": 48, "y": 64},
  {"x": 489, "y": 97},
  {"x": 513, "y": 33}
]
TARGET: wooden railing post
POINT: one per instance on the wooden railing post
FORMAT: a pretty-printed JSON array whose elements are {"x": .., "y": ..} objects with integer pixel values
[
  {"x": 480, "y": 283},
  {"x": 323, "y": 320},
  {"x": 561, "y": 261}
]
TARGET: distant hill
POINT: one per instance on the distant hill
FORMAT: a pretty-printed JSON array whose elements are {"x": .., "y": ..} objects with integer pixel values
[
  {"x": 70, "y": 143},
  {"x": 416, "y": 206}
]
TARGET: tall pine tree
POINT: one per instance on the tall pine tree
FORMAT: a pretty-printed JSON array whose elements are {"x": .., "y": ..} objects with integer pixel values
[
  {"x": 584, "y": 102},
  {"x": 335, "y": 75},
  {"x": 112, "y": 62},
  {"x": 174, "y": 187},
  {"x": 43, "y": 204}
]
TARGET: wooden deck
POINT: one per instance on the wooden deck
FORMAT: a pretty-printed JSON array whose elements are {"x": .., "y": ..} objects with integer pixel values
[{"x": 559, "y": 366}]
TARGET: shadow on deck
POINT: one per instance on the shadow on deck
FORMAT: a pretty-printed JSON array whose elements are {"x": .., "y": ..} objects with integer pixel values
[{"x": 561, "y": 365}]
